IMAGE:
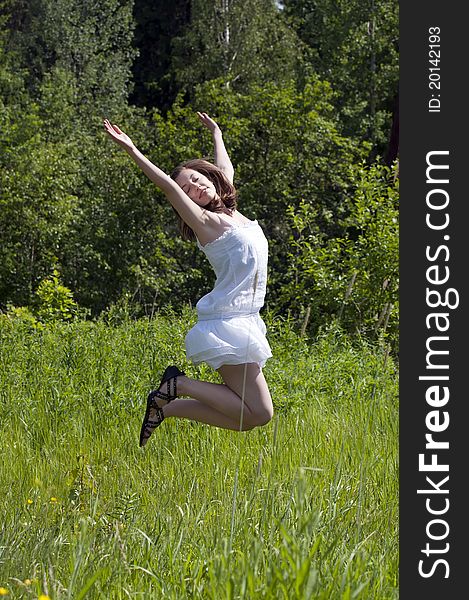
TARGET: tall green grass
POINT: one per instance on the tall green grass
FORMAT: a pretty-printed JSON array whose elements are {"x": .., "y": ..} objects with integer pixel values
[{"x": 305, "y": 507}]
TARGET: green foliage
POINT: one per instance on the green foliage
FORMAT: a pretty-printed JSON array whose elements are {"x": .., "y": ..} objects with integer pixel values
[
  {"x": 240, "y": 41},
  {"x": 353, "y": 277},
  {"x": 19, "y": 317},
  {"x": 54, "y": 301},
  {"x": 49, "y": 119},
  {"x": 354, "y": 45},
  {"x": 38, "y": 199},
  {"x": 77, "y": 55}
]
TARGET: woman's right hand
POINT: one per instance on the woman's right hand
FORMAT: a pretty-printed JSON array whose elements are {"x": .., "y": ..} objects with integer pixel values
[
  {"x": 121, "y": 138},
  {"x": 208, "y": 122}
]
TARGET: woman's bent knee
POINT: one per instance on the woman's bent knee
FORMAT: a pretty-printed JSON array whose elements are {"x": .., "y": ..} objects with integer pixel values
[{"x": 261, "y": 417}]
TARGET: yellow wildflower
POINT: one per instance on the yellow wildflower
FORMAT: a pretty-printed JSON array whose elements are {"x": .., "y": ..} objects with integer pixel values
[
  {"x": 3, "y": 591},
  {"x": 29, "y": 501},
  {"x": 43, "y": 597},
  {"x": 53, "y": 499}
]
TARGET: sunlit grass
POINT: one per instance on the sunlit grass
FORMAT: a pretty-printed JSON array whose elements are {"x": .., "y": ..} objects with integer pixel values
[{"x": 306, "y": 507}]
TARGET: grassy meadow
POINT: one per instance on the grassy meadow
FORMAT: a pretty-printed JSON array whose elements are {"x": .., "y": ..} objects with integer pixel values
[{"x": 303, "y": 508}]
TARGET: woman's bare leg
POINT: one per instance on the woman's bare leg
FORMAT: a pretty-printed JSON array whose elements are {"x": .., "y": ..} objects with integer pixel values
[
  {"x": 249, "y": 384},
  {"x": 198, "y": 411},
  {"x": 242, "y": 402}
]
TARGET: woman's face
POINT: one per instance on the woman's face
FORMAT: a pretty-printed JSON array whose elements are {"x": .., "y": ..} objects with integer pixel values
[{"x": 198, "y": 187}]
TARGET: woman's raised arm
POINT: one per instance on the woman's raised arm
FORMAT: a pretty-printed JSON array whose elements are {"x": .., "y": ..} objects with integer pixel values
[
  {"x": 189, "y": 211},
  {"x": 222, "y": 160}
]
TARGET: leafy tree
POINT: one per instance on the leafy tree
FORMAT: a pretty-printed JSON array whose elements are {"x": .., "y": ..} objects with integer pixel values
[
  {"x": 56, "y": 80},
  {"x": 353, "y": 277},
  {"x": 242, "y": 41},
  {"x": 354, "y": 46},
  {"x": 15, "y": 102},
  {"x": 78, "y": 50},
  {"x": 37, "y": 207},
  {"x": 52, "y": 302}
]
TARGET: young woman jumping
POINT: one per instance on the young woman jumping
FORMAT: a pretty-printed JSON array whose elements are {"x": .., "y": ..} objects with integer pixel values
[{"x": 229, "y": 334}]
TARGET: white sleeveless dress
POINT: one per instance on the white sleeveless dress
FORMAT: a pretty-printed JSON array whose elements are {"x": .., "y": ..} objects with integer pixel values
[{"x": 229, "y": 330}]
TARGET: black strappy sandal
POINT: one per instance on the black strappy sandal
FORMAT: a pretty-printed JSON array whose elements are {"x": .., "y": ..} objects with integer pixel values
[{"x": 152, "y": 421}]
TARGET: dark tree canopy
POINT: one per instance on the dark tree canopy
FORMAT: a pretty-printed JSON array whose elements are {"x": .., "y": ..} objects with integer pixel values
[{"x": 158, "y": 23}]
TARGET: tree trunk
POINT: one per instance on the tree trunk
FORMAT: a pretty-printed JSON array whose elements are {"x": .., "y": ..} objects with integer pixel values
[{"x": 393, "y": 145}]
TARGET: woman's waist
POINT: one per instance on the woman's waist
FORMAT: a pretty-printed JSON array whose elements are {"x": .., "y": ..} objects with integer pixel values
[
  {"x": 231, "y": 303},
  {"x": 225, "y": 315}
]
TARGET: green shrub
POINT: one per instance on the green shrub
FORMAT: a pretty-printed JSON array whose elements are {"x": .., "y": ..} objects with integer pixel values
[
  {"x": 353, "y": 277},
  {"x": 54, "y": 301}
]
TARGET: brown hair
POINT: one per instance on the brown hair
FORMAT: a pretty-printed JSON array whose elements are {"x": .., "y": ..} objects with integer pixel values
[{"x": 228, "y": 196}]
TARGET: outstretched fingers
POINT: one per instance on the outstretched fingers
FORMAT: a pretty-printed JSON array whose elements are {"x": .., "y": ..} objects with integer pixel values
[
  {"x": 207, "y": 121},
  {"x": 117, "y": 134},
  {"x": 110, "y": 128}
]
